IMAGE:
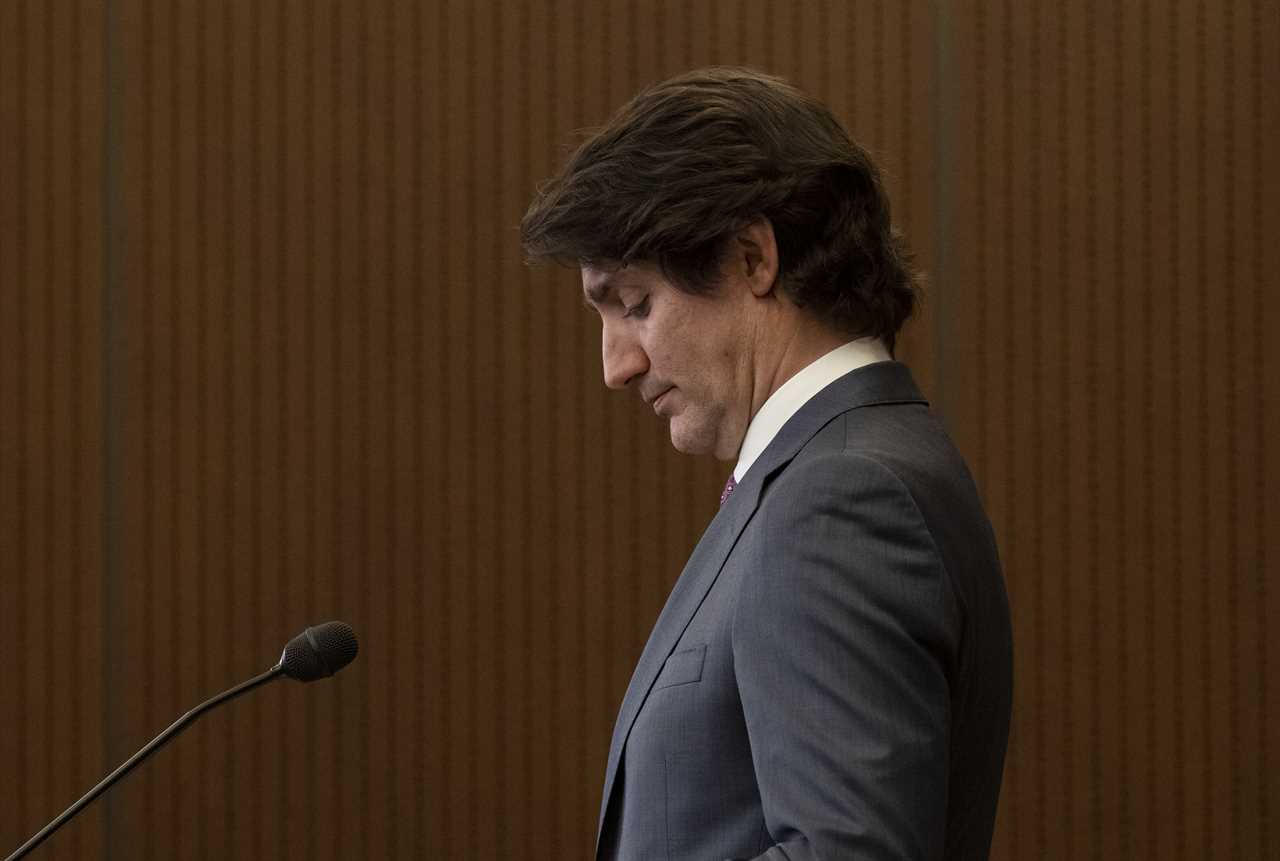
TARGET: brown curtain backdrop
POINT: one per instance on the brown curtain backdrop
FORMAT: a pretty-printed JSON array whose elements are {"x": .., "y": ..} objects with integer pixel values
[{"x": 269, "y": 356}]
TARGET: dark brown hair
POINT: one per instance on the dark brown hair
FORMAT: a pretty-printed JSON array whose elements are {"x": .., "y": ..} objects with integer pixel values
[{"x": 690, "y": 161}]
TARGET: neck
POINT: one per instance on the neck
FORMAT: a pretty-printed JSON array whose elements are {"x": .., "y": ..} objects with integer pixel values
[{"x": 797, "y": 346}]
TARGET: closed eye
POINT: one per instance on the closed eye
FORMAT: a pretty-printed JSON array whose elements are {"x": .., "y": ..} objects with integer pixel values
[{"x": 639, "y": 311}]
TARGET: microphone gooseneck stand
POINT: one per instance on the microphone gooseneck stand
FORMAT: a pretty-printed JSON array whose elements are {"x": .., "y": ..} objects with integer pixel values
[
  {"x": 316, "y": 653},
  {"x": 152, "y": 746}
]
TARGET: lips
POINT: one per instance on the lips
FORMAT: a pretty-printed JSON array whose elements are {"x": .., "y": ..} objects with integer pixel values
[{"x": 658, "y": 400}]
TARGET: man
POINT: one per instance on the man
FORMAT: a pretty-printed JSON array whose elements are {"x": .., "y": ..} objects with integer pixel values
[{"x": 831, "y": 675}]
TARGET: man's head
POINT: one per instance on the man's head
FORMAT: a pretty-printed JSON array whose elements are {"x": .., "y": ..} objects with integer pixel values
[{"x": 754, "y": 232}]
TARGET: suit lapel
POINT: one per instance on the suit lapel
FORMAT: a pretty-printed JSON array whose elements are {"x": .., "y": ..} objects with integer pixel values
[
  {"x": 691, "y": 588},
  {"x": 879, "y": 383}
]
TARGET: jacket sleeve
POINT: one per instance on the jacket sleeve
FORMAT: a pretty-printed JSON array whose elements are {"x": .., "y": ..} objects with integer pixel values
[{"x": 844, "y": 639}]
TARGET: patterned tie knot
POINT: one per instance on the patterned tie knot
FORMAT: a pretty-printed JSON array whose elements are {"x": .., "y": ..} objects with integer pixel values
[{"x": 728, "y": 489}]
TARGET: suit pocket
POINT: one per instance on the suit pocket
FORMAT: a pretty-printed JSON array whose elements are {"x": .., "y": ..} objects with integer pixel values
[{"x": 682, "y": 668}]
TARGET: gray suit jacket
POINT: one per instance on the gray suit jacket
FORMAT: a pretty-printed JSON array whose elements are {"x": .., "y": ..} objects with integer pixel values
[{"x": 831, "y": 676}]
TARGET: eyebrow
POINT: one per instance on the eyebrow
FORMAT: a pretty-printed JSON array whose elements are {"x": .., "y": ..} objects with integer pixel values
[{"x": 597, "y": 294}]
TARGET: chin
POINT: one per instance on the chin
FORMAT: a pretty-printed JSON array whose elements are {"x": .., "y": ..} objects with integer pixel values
[
  {"x": 685, "y": 447},
  {"x": 688, "y": 438}
]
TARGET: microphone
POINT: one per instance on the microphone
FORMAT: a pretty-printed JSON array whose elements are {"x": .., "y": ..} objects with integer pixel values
[{"x": 316, "y": 653}]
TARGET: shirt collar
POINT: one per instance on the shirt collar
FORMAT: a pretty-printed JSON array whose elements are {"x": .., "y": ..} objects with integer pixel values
[{"x": 795, "y": 392}]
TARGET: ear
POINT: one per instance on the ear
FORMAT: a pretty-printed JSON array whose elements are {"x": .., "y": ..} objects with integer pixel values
[{"x": 756, "y": 255}]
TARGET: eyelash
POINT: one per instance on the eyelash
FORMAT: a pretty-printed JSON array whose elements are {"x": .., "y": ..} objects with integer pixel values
[{"x": 640, "y": 310}]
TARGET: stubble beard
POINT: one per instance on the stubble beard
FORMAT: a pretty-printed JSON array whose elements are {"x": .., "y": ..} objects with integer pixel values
[{"x": 697, "y": 431}]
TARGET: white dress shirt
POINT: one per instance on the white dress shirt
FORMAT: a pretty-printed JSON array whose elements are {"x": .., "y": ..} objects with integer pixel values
[{"x": 796, "y": 392}]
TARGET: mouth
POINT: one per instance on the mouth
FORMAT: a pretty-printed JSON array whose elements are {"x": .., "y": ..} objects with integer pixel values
[{"x": 657, "y": 402}]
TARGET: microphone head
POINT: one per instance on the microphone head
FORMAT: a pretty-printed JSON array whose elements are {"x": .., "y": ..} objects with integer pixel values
[{"x": 319, "y": 652}]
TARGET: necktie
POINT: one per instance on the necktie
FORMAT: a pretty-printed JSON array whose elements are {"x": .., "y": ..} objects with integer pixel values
[{"x": 728, "y": 489}]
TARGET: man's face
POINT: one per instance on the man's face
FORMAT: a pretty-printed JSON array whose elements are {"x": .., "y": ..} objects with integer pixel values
[{"x": 688, "y": 356}]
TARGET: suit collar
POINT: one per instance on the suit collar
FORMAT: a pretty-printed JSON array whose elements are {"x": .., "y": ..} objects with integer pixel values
[
  {"x": 798, "y": 390},
  {"x": 878, "y": 383},
  {"x": 875, "y": 384}
]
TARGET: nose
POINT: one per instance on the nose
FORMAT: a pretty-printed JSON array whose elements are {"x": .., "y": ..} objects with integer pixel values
[{"x": 622, "y": 356}]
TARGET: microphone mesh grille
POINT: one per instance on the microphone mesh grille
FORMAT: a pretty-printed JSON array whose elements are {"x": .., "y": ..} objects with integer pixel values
[
  {"x": 319, "y": 651},
  {"x": 336, "y": 643}
]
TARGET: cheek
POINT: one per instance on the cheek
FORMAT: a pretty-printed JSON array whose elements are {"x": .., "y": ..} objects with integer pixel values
[
  {"x": 685, "y": 358},
  {"x": 692, "y": 355}
]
